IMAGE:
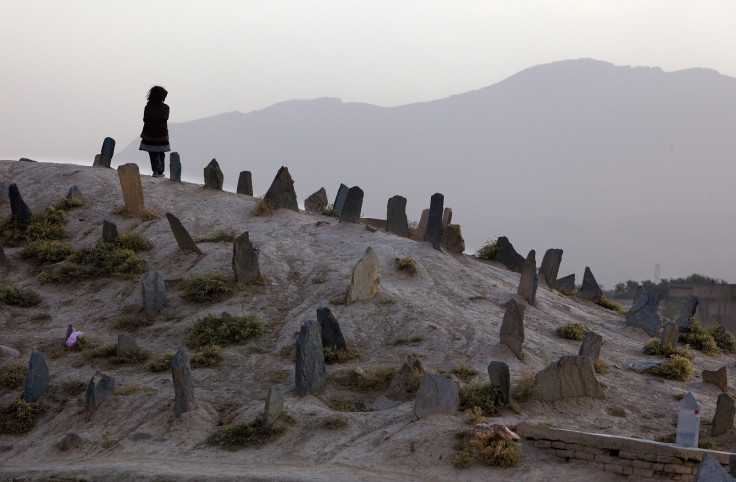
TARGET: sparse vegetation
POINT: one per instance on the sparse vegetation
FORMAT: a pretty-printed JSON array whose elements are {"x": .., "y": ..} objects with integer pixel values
[
  {"x": 408, "y": 341},
  {"x": 103, "y": 259},
  {"x": 474, "y": 416},
  {"x": 573, "y": 330},
  {"x": 329, "y": 210},
  {"x": 654, "y": 347},
  {"x": 698, "y": 337},
  {"x": 488, "y": 250},
  {"x": 162, "y": 363},
  {"x": 464, "y": 371},
  {"x": 604, "y": 302},
  {"x": 45, "y": 251},
  {"x": 600, "y": 366},
  {"x": 366, "y": 381},
  {"x": 483, "y": 396},
  {"x": 220, "y": 236},
  {"x": 671, "y": 437},
  {"x": 148, "y": 214},
  {"x": 15, "y": 295},
  {"x": 523, "y": 389},
  {"x": 127, "y": 389},
  {"x": 566, "y": 292},
  {"x": 262, "y": 208},
  {"x": 207, "y": 287},
  {"x": 407, "y": 263},
  {"x": 131, "y": 322},
  {"x": 134, "y": 356},
  {"x": 18, "y": 416},
  {"x": 134, "y": 241},
  {"x": 724, "y": 340},
  {"x": 214, "y": 330},
  {"x": 675, "y": 368},
  {"x": 207, "y": 356},
  {"x": 333, "y": 354},
  {"x": 64, "y": 204},
  {"x": 245, "y": 434},
  {"x": 74, "y": 387},
  {"x": 332, "y": 422},
  {"x": 12, "y": 375},
  {"x": 49, "y": 225},
  {"x": 108, "y": 350},
  {"x": 501, "y": 453}
]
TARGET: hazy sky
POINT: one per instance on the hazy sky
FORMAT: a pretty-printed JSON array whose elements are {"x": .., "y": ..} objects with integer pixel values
[{"x": 74, "y": 72}]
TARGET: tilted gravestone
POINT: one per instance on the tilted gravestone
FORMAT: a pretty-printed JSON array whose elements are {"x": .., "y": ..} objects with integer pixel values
[
  {"x": 245, "y": 183},
  {"x": 711, "y": 470},
  {"x": 365, "y": 279},
  {"x": 107, "y": 151},
  {"x": 153, "y": 288},
  {"x": 688, "y": 311},
  {"x": 342, "y": 194},
  {"x": 718, "y": 378},
  {"x": 550, "y": 267},
  {"x": 126, "y": 344},
  {"x": 670, "y": 334},
  {"x": 37, "y": 378},
  {"x": 569, "y": 377},
  {"x": 591, "y": 345},
  {"x": 317, "y": 202},
  {"x": 528, "y": 282},
  {"x": 130, "y": 183},
  {"x": 175, "y": 166},
  {"x": 434, "y": 220},
  {"x": 589, "y": 289},
  {"x": 396, "y": 220},
  {"x": 452, "y": 239},
  {"x": 109, "y": 231},
  {"x": 274, "y": 404},
  {"x": 100, "y": 387},
  {"x": 310, "y": 373},
  {"x": 507, "y": 255},
  {"x": 512, "y": 327},
  {"x": 182, "y": 236},
  {"x": 281, "y": 194},
  {"x": 181, "y": 373},
  {"x": 19, "y": 209},
  {"x": 213, "y": 177},
  {"x": 643, "y": 313},
  {"x": 330, "y": 329},
  {"x": 74, "y": 193},
  {"x": 566, "y": 283},
  {"x": 436, "y": 394},
  {"x": 446, "y": 217},
  {"x": 245, "y": 260},
  {"x": 498, "y": 373},
  {"x": 422, "y": 226},
  {"x": 723, "y": 419},
  {"x": 350, "y": 212}
]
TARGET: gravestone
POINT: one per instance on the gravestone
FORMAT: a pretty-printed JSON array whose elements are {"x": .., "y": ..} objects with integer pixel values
[
  {"x": 281, "y": 194},
  {"x": 108, "y": 149},
  {"x": 670, "y": 335},
  {"x": 528, "y": 282},
  {"x": 342, "y": 194},
  {"x": 109, "y": 231},
  {"x": 434, "y": 220},
  {"x": 512, "y": 327},
  {"x": 687, "y": 312},
  {"x": 590, "y": 289},
  {"x": 396, "y": 220},
  {"x": 550, "y": 267},
  {"x": 213, "y": 177},
  {"x": 436, "y": 395},
  {"x": 96, "y": 162},
  {"x": 403, "y": 384},
  {"x": 154, "y": 292},
  {"x": 422, "y": 226},
  {"x": 4, "y": 262},
  {"x": 310, "y": 375},
  {"x": 25, "y": 159},
  {"x": 19, "y": 209},
  {"x": 718, "y": 378},
  {"x": 507, "y": 255},
  {"x": 182, "y": 236},
  {"x": 100, "y": 387},
  {"x": 37, "y": 378},
  {"x": 688, "y": 421},
  {"x": 69, "y": 331},
  {"x": 274, "y": 404},
  {"x": 643, "y": 313},
  {"x": 245, "y": 260},
  {"x": 569, "y": 377},
  {"x": 350, "y": 212},
  {"x": 723, "y": 419},
  {"x": 175, "y": 166},
  {"x": 130, "y": 183},
  {"x": 452, "y": 239},
  {"x": 446, "y": 217},
  {"x": 330, "y": 329},
  {"x": 365, "y": 279},
  {"x": 498, "y": 373},
  {"x": 245, "y": 183},
  {"x": 591, "y": 345},
  {"x": 566, "y": 283},
  {"x": 317, "y": 202},
  {"x": 74, "y": 193},
  {"x": 711, "y": 470},
  {"x": 126, "y": 344},
  {"x": 181, "y": 373}
]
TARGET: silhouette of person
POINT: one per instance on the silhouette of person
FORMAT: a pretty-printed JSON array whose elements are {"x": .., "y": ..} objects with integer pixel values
[{"x": 155, "y": 134}]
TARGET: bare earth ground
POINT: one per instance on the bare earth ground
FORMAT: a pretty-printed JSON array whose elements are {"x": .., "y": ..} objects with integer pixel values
[{"x": 454, "y": 303}]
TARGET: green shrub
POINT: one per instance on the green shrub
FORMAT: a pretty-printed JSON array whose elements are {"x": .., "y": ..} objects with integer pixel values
[
  {"x": 675, "y": 368},
  {"x": 573, "y": 330},
  {"x": 244, "y": 434},
  {"x": 221, "y": 236},
  {"x": 64, "y": 204},
  {"x": 134, "y": 241},
  {"x": 333, "y": 354},
  {"x": 654, "y": 347},
  {"x": 464, "y": 371},
  {"x": 214, "y": 330},
  {"x": 207, "y": 356},
  {"x": 68, "y": 272},
  {"x": 203, "y": 288},
  {"x": 698, "y": 337},
  {"x": 162, "y": 363},
  {"x": 604, "y": 302},
  {"x": 329, "y": 210},
  {"x": 488, "y": 250},
  {"x": 501, "y": 453},
  {"x": 134, "y": 356},
  {"x": 482, "y": 395},
  {"x": 523, "y": 389},
  {"x": 12, "y": 375},
  {"x": 18, "y": 416},
  {"x": 15, "y": 295},
  {"x": 724, "y": 339},
  {"x": 407, "y": 263},
  {"x": 109, "y": 259},
  {"x": 74, "y": 387},
  {"x": 45, "y": 251},
  {"x": 108, "y": 350},
  {"x": 48, "y": 225}
]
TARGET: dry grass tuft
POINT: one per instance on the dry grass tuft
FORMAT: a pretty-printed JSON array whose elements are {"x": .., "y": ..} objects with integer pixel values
[
  {"x": 407, "y": 264},
  {"x": 262, "y": 208}
]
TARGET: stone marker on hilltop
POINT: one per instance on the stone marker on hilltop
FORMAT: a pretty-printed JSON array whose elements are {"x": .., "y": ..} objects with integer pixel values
[
  {"x": 434, "y": 220},
  {"x": 452, "y": 239},
  {"x": 498, "y": 373},
  {"x": 19, "y": 209},
  {"x": 643, "y": 313},
  {"x": 566, "y": 283},
  {"x": 213, "y": 177},
  {"x": 687, "y": 312},
  {"x": 512, "y": 327},
  {"x": 274, "y": 404},
  {"x": 37, "y": 378},
  {"x": 175, "y": 167},
  {"x": 718, "y": 378},
  {"x": 245, "y": 260},
  {"x": 446, "y": 217},
  {"x": 317, "y": 202},
  {"x": 350, "y": 212},
  {"x": 436, "y": 394},
  {"x": 127, "y": 344},
  {"x": 528, "y": 282},
  {"x": 182, "y": 236},
  {"x": 154, "y": 292},
  {"x": 245, "y": 183},
  {"x": 723, "y": 419},
  {"x": 330, "y": 329},
  {"x": 507, "y": 255},
  {"x": 99, "y": 388},
  {"x": 74, "y": 193},
  {"x": 550, "y": 267},
  {"x": 590, "y": 289},
  {"x": 365, "y": 279},
  {"x": 130, "y": 183},
  {"x": 107, "y": 151},
  {"x": 422, "y": 226},
  {"x": 569, "y": 377},
  {"x": 109, "y": 231},
  {"x": 181, "y": 373},
  {"x": 311, "y": 375},
  {"x": 281, "y": 194},
  {"x": 711, "y": 470},
  {"x": 591, "y": 345},
  {"x": 396, "y": 220},
  {"x": 670, "y": 335},
  {"x": 342, "y": 194}
]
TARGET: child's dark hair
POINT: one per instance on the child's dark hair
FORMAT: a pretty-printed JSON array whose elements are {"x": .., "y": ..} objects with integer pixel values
[{"x": 157, "y": 94}]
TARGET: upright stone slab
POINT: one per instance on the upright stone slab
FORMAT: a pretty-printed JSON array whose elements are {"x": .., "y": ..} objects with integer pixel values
[
  {"x": 330, "y": 329},
  {"x": 452, "y": 239},
  {"x": 126, "y": 344},
  {"x": 528, "y": 282},
  {"x": 569, "y": 377},
  {"x": 350, "y": 212},
  {"x": 422, "y": 226},
  {"x": 317, "y": 202},
  {"x": 245, "y": 183},
  {"x": 245, "y": 260},
  {"x": 37, "y": 378},
  {"x": 96, "y": 162},
  {"x": 154, "y": 292},
  {"x": 130, "y": 183},
  {"x": 711, "y": 470},
  {"x": 507, "y": 255},
  {"x": 109, "y": 231},
  {"x": 74, "y": 193},
  {"x": 436, "y": 395},
  {"x": 723, "y": 419},
  {"x": 550, "y": 267},
  {"x": 591, "y": 345},
  {"x": 342, "y": 194},
  {"x": 396, "y": 220},
  {"x": 108, "y": 149},
  {"x": 181, "y": 373},
  {"x": 566, "y": 283},
  {"x": 100, "y": 387},
  {"x": 434, "y": 220},
  {"x": 643, "y": 313},
  {"x": 274, "y": 404},
  {"x": 446, "y": 217},
  {"x": 213, "y": 177},
  {"x": 182, "y": 236},
  {"x": 590, "y": 289},
  {"x": 281, "y": 194},
  {"x": 688, "y": 421},
  {"x": 365, "y": 279},
  {"x": 311, "y": 375},
  {"x": 403, "y": 384},
  {"x": 498, "y": 373},
  {"x": 4, "y": 262},
  {"x": 19, "y": 209},
  {"x": 718, "y": 378},
  {"x": 175, "y": 167},
  {"x": 670, "y": 334},
  {"x": 512, "y": 327},
  {"x": 688, "y": 311}
]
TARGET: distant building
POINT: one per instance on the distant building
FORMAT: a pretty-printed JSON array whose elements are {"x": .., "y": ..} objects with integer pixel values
[{"x": 717, "y": 303}]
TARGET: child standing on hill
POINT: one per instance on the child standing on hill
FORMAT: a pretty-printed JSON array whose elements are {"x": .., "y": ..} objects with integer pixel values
[{"x": 155, "y": 135}]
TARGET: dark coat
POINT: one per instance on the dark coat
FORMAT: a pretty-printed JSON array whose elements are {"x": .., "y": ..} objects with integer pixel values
[{"x": 154, "y": 122}]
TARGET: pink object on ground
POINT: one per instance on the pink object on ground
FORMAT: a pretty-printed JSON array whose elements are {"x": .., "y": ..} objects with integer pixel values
[{"x": 72, "y": 340}]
